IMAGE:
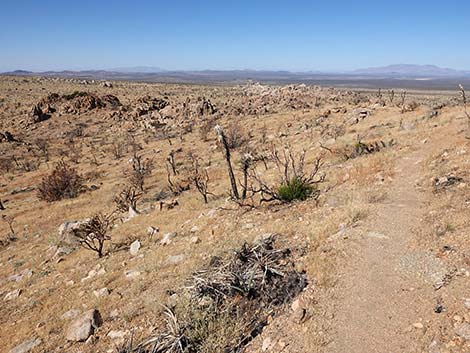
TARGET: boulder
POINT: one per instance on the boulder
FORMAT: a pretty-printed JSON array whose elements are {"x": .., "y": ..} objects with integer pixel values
[
  {"x": 134, "y": 249},
  {"x": 66, "y": 232},
  {"x": 167, "y": 237},
  {"x": 26, "y": 346},
  {"x": 83, "y": 327}
]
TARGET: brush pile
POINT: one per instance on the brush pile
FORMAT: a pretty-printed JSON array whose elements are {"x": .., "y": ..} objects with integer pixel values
[{"x": 228, "y": 303}]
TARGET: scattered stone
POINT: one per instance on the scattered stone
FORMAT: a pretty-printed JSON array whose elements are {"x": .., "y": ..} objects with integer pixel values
[
  {"x": 175, "y": 259},
  {"x": 82, "y": 328},
  {"x": 248, "y": 226},
  {"x": 266, "y": 344},
  {"x": 418, "y": 325},
  {"x": 446, "y": 181},
  {"x": 12, "y": 295},
  {"x": 132, "y": 213},
  {"x": 194, "y": 229},
  {"x": 134, "y": 249},
  {"x": 467, "y": 303},
  {"x": 18, "y": 277},
  {"x": 131, "y": 274},
  {"x": 167, "y": 237},
  {"x": 96, "y": 271},
  {"x": 195, "y": 240},
  {"x": 103, "y": 292},
  {"x": 71, "y": 314},
  {"x": 67, "y": 232},
  {"x": 298, "y": 315},
  {"x": 116, "y": 334},
  {"x": 26, "y": 346},
  {"x": 151, "y": 231},
  {"x": 434, "y": 347},
  {"x": 463, "y": 331},
  {"x": 377, "y": 235}
]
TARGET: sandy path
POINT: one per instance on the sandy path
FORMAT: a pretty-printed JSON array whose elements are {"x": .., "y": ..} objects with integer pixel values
[{"x": 378, "y": 302}]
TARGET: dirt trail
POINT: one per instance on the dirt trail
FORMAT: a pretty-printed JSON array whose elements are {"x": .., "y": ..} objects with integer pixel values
[{"x": 379, "y": 301}]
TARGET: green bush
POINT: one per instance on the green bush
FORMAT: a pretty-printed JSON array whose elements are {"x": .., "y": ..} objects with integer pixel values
[{"x": 295, "y": 189}]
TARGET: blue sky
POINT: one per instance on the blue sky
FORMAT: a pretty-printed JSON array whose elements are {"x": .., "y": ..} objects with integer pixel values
[{"x": 244, "y": 34}]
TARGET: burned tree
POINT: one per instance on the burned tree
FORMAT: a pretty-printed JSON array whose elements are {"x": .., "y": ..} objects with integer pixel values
[
  {"x": 127, "y": 198},
  {"x": 226, "y": 150},
  {"x": 93, "y": 234},
  {"x": 140, "y": 169},
  {"x": 199, "y": 178},
  {"x": 464, "y": 101}
]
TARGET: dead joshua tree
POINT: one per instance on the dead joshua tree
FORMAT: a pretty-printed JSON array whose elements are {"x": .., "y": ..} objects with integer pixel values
[
  {"x": 226, "y": 149},
  {"x": 464, "y": 102},
  {"x": 391, "y": 95},
  {"x": 402, "y": 99}
]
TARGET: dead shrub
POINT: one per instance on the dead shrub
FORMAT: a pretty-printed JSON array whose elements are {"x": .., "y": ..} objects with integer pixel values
[
  {"x": 236, "y": 135},
  {"x": 140, "y": 169},
  {"x": 127, "y": 198},
  {"x": 63, "y": 183},
  {"x": 295, "y": 182},
  {"x": 227, "y": 304},
  {"x": 206, "y": 127},
  {"x": 94, "y": 233}
]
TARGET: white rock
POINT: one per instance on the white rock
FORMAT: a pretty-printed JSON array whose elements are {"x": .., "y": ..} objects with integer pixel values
[
  {"x": 93, "y": 273},
  {"x": 463, "y": 331},
  {"x": 131, "y": 274},
  {"x": 151, "y": 231},
  {"x": 103, "y": 292},
  {"x": 194, "y": 229},
  {"x": 134, "y": 249},
  {"x": 26, "y": 346},
  {"x": 167, "y": 237},
  {"x": 18, "y": 277},
  {"x": 71, "y": 314},
  {"x": 195, "y": 240},
  {"x": 116, "y": 334},
  {"x": 266, "y": 344},
  {"x": 66, "y": 231},
  {"x": 83, "y": 327},
  {"x": 467, "y": 303},
  {"x": 12, "y": 295},
  {"x": 175, "y": 259},
  {"x": 132, "y": 213}
]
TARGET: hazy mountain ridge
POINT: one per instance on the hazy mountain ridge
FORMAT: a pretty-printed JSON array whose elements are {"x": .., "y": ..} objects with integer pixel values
[{"x": 411, "y": 70}]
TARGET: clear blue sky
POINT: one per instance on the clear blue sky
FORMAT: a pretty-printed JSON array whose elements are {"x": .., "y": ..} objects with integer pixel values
[{"x": 222, "y": 34}]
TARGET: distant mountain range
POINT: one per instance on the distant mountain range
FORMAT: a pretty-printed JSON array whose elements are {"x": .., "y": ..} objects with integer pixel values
[
  {"x": 392, "y": 76},
  {"x": 396, "y": 70},
  {"x": 409, "y": 70}
]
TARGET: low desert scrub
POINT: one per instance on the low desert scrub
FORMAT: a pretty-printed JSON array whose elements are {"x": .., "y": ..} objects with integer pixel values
[
  {"x": 228, "y": 303},
  {"x": 295, "y": 189},
  {"x": 295, "y": 182},
  {"x": 64, "y": 182},
  {"x": 95, "y": 232}
]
